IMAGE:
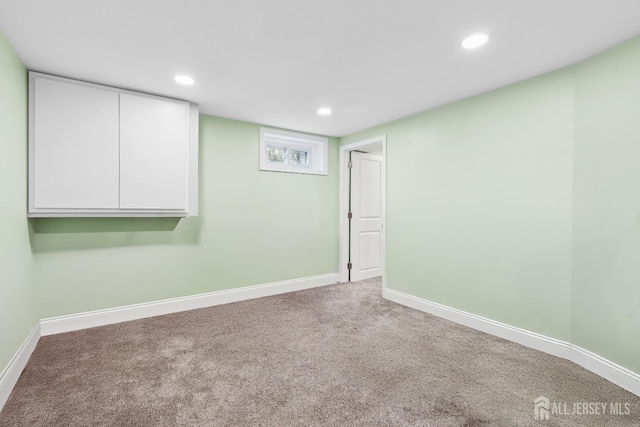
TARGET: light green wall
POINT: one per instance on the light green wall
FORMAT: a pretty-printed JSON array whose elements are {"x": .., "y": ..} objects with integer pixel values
[
  {"x": 479, "y": 204},
  {"x": 17, "y": 311},
  {"x": 606, "y": 206},
  {"x": 254, "y": 227},
  {"x": 523, "y": 204}
]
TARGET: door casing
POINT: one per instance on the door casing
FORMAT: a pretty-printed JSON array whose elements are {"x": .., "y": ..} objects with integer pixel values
[{"x": 343, "y": 232}]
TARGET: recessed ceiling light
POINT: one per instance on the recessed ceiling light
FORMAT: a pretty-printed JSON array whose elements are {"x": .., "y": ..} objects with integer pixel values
[
  {"x": 475, "y": 41},
  {"x": 185, "y": 80},
  {"x": 324, "y": 111}
]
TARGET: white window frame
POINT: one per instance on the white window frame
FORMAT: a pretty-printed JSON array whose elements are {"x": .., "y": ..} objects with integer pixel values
[{"x": 317, "y": 146}]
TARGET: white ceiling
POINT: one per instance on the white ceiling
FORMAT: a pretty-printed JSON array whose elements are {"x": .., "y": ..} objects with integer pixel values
[{"x": 276, "y": 62}]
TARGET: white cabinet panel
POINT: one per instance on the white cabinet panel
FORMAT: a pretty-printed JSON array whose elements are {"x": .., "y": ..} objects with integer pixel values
[
  {"x": 76, "y": 157},
  {"x": 153, "y": 153},
  {"x": 101, "y": 151}
]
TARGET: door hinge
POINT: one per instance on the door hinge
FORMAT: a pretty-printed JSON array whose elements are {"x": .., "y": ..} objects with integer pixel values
[
  {"x": 349, "y": 266},
  {"x": 349, "y": 215},
  {"x": 350, "y": 165}
]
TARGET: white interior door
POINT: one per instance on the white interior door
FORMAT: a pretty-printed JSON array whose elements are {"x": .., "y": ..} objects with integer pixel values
[{"x": 366, "y": 245}]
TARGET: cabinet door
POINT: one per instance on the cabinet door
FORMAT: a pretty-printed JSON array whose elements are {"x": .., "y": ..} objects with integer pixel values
[
  {"x": 75, "y": 146},
  {"x": 153, "y": 153}
]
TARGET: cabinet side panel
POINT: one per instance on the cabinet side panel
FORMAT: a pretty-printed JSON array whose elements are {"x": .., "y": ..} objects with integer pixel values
[
  {"x": 194, "y": 141},
  {"x": 76, "y": 152},
  {"x": 153, "y": 153}
]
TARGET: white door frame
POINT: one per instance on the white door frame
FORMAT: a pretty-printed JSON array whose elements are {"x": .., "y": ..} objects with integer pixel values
[{"x": 343, "y": 273}]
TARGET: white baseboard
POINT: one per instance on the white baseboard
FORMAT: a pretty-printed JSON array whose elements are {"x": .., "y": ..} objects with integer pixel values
[
  {"x": 74, "y": 322},
  {"x": 610, "y": 371},
  {"x": 598, "y": 365},
  {"x": 607, "y": 369},
  {"x": 11, "y": 373}
]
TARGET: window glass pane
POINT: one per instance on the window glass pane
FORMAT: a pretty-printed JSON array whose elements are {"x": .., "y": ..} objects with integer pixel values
[
  {"x": 299, "y": 157},
  {"x": 276, "y": 154},
  {"x": 283, "y": 151}
]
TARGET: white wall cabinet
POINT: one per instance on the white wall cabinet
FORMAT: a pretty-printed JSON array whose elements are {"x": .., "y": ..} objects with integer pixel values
[{"x": 101, "y": 151}]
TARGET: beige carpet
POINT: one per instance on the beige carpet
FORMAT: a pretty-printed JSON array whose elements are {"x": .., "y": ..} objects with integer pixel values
[{"x": 338, "y": 355}]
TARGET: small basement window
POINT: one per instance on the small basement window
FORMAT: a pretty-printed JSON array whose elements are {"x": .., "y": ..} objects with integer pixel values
[{"x": 282, "y": 151}]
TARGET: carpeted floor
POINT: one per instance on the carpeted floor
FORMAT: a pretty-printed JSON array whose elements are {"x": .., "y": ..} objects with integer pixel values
[{"x": 338, "y": 355}]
